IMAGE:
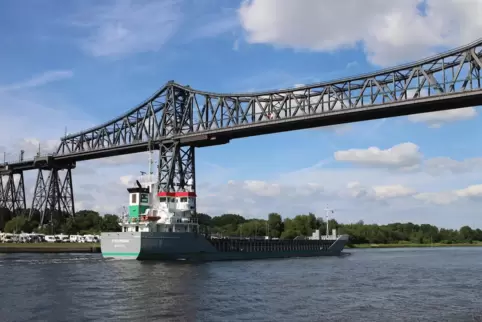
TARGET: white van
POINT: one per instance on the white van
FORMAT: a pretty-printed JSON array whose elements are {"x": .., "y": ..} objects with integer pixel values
[{"x": 50, "y": 239}]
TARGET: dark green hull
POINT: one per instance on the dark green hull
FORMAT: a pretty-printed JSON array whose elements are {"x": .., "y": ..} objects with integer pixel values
[
  {"x": 195, "y": 247},
  {"x": 230, "y": 256}
]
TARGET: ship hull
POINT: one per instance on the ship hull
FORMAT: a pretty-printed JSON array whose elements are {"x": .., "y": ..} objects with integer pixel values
[{"x": 195, "y": 247}]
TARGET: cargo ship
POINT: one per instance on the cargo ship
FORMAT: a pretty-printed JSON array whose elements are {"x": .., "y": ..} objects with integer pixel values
[{"x": 162, "y": 225}]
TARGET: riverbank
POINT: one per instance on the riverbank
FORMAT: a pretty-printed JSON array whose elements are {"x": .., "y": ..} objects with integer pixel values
[
  {"x": 475, "y": 244},
  {"x": 50, "y": 248}
]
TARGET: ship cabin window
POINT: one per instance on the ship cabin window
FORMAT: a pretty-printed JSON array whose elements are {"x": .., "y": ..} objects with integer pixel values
[
  {"x": 162, "y": 199},
  {"x": 137, "y": 228},
  {"x": 172, "y": 200},
  {"x": 133, "y": 198},
  {"x": 183, "y": 199}
]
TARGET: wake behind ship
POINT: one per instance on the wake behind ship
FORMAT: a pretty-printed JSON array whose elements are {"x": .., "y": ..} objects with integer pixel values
[{"x": 162, "y": 226}]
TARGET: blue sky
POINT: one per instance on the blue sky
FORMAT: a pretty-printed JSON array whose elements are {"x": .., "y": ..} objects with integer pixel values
[{"x": 84, "y": 62}]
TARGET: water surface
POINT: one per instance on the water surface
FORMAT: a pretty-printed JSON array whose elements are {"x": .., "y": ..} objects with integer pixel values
[{"x": 426, "y": 284}]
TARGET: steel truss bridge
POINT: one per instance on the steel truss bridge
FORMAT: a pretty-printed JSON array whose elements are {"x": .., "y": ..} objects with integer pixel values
[{"x": 177, "y": 119}]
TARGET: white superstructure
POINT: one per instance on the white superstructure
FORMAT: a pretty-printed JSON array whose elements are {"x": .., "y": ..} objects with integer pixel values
[{"x": 151, "y": 210}]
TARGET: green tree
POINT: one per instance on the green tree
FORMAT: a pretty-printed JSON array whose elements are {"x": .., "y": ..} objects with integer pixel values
[
  {"x": 110, "y": 223},
  {"x": 19, "y": 224},
  {"x": 275, "y": 225},
  {"x": 466, "y": 234}
]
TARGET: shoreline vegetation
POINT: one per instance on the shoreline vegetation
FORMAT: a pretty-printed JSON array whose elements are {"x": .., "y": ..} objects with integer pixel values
[
  {"x": 394, "y": 235},
  {"x": 435, "y": 245}
]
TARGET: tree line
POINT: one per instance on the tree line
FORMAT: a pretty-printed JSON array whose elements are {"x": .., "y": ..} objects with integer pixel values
[
  {"x": 84, "y": 222},
  {"x": 91, "y": 222},
  {"x": 360, "y": 233}
]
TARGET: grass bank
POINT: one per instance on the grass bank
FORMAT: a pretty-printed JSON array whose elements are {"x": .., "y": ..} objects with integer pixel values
[
  {"x": 50, "y": 248},
  {"x": 478, "y": 244}
]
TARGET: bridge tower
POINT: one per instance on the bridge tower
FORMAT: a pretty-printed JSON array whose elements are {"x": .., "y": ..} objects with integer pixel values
[
  {"x": 176, "y": 160},
  {"x": 3, "y": 200},
  {"x": 12, "y": 192},
  {"x": 54, "y": 196}
]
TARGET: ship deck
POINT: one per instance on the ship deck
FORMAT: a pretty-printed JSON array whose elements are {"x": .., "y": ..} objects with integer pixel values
[{"x": 269, "y": 245}]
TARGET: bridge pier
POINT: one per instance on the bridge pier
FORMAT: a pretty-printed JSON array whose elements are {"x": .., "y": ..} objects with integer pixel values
[
  {"x": 176, "y": 168},
  {"x": 12, "y": 193},
  {"x": 176, "y": 171},
  {"x": 3, "y": 200},
  {"x": 55, "y": 196}
]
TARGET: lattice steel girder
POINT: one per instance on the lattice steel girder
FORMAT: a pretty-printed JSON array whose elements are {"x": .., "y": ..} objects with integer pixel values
[
  {"x": 176, "y": 168},
  {"x": 3, "y": 198},
  {"x": 14, "y": 193},
  {"x": 54, "y": 196},
  {"x": 444, "y": 76}
]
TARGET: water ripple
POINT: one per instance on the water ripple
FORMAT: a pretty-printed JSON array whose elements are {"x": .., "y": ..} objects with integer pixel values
[{"x": 369, "y": 285}]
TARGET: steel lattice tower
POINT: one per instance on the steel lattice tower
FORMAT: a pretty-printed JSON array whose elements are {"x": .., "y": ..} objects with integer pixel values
[
  {"x": 53, "y": 197},
  {"x": 176, "y": 162},
  {"x": 13, "y": 193},
  {"x": 3, "y": 201}
]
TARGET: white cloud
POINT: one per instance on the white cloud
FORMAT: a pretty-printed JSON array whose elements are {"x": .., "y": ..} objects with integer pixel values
[
  {"x": 389, "y": 31},
  {"x": 437, "y": 119},
  {"x": 393, "y": 191},
  {"x": 404, "y": 155},
  {"x": 440, "y": 118},
  {"x": 473, "y": 192},
  {"x": 128, "y": 27},
  {"x": 357, "y": 190},
  {"x": 127, "y": 180},
  {"x": 261, "y": 188},
  {"x": 38, "y": 80},
  {"x": 441, "y": 165},
  {"x": 407, "y": 156},
  {"x": 374, "y": 196},
  {"x": 438, "y": 198}
]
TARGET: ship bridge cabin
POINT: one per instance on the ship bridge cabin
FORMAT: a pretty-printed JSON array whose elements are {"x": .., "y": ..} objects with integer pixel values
[
  {"x": 138, "y": 202},
  {"x": 178, "y": 201},
  {"x": 150, "y": 211},
  {"x": 179, "y": 207}
]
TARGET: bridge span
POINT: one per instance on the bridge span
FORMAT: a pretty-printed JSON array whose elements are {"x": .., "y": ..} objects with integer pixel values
[{"x": 177, "y": 119}]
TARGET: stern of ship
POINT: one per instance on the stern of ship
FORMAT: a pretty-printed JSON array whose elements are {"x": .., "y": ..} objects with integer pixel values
[{"x": 120, "y": 245}]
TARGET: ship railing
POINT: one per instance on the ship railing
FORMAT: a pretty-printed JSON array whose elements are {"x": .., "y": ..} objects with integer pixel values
[
  {"x": 191, "y": 220},
  {"x": 323, "y": 237}
]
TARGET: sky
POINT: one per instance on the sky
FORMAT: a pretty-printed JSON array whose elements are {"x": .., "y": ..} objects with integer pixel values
[{"x": 68, "y": 67}]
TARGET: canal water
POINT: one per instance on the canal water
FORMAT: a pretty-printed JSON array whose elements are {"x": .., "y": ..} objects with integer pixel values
[{"x": 427, "y": 284}]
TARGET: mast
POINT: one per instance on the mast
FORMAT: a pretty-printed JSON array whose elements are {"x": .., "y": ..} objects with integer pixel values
[
  {"x": 327, "y": 211},
  {"x": 150, "y": 164}
]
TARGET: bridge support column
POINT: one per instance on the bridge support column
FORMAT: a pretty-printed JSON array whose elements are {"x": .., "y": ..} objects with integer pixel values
[
  {"x": 3, "y": 198},
  {"x": 176, "y": 161},
  {"x": 53, "y": 197},
  {"x": 13, "y": 193},
  {"x": 176, "y": 168}
]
